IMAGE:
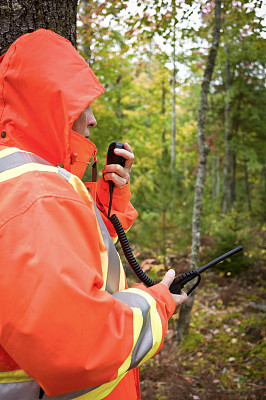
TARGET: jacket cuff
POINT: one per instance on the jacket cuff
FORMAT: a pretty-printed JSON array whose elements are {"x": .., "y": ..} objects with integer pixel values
[
  {"x": 121, "y": 196},
  {"x": 165, "y": 305},
  {"x": 162, "y": 295}
]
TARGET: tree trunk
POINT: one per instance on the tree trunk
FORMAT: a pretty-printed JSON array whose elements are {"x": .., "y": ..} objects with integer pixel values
[
  {"x": 163, "y": 111},
  {"x": 247, "y": 185},
  {"x": 264, "y": 176},
  {"x": 218, "y": 178},
  {"x": 234, "y": 163},
  {"x": 174, "y": 95},
  {"x": 233, "y": 183},
  {"x": 214, "y": 167},
  {"x": 173, "y": 114},
  {"x": 215, "y": 175},
  {"x": 164, "y": 166},
  {"x": 226, "y": 204},
  {"x": 119, "y": 84},
  {"x": 22, "y": 16},
  {"x": 184, "y": 315}
]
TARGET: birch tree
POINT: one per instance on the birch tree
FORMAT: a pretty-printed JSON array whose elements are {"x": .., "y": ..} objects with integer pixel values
[{"x": 184, "y": 315}]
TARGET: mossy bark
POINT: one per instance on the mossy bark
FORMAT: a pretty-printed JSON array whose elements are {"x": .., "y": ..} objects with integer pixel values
[{"x": 22, "y": 16}]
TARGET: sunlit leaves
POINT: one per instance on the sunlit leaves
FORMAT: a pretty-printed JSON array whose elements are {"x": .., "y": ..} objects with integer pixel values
[{"x": 129, "y": 49}]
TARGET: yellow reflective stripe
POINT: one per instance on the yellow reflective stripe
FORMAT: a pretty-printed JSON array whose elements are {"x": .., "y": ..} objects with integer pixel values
[
  {"x": 105, "y": 389},
  {"x": 157, "y": 333},
  {"x": 8, "y": 151},
  {"x": 19, "y": 375},
  {"x": 22, "y": 169},
  {"x": 122, "y": 278},
  {"x": 14, "y": 376},
  {"x": 102, "y": 391},
  {"x": 12, "y": 150},
  {"x": 137, "y": 325},
  {"x": 99, "y": 393},
  {"x": 80, "y": 188}
]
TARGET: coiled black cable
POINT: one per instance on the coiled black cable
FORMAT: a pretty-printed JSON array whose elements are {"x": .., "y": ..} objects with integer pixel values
[{"x": 128, "y": 252}]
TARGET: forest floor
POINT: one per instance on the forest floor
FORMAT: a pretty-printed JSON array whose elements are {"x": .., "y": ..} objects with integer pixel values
[{"x": 224, "y": 355}]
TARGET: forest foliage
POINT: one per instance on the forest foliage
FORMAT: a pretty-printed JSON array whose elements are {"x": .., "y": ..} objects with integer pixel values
[
  {"x": 150, "y": 56},
  {"x": 134, "y": 49}
]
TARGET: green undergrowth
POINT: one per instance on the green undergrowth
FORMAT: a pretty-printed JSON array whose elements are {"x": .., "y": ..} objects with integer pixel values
[
  {"x": 225, "y": 350},
  {"x": 228, "y": 342}
]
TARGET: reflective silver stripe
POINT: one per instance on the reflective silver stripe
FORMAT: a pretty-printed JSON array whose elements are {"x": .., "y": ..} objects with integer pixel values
[
  {"x": 145, "y": 339},
  {"x": 69, "y": 396},
  {"x": 20, "y": 158},
  {"x": 113, "y": 272},
  {"x": 64, "y": 173},
  {"x": 30, "y": 390}
]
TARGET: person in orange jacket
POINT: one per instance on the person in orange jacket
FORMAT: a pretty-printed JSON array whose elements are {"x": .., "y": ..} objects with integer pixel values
[{"x": 70, "y": 328}]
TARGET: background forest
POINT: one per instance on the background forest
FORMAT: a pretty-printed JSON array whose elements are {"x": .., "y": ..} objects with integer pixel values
[
  {"x": 185, "y": 86},
  {"x": 151, "y": 57}
]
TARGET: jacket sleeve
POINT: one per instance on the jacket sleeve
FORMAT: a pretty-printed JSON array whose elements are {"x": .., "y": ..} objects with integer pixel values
[
  {"x": 121, "y": 205},
  {"x": 57, "y": 323}
]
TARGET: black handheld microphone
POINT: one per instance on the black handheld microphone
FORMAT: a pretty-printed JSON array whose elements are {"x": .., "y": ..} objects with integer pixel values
[{"x": 113, "y": 158}]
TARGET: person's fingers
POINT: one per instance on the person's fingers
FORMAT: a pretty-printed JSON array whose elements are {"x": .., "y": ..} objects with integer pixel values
[
  {"x": 128, "y": 147},
  {"x": 114, "y": 169},
  {"x": 129, "y": 157},
  {"x": 168, "y": 278},
  {"x": 127, "y": 153},
  {"x": 115, "y": 172},
  {"x": 178, "y": 298},
  {"x": 118, "y": 180},
  {"x": 182, "y": 297}
]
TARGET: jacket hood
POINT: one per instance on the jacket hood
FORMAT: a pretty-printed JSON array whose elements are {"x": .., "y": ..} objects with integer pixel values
[{"x": 44, "y": 86}]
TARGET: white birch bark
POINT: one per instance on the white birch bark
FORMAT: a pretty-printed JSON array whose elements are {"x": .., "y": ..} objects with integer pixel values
[{"x": 184, "y": 315}]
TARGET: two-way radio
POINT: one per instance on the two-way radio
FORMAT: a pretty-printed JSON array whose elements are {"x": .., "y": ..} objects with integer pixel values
[{"x": 181, "y": 280}]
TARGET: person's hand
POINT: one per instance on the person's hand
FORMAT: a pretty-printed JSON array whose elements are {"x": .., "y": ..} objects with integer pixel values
[
  {"x": 115, "y": 172},
  {"x": 178, "y": 298}
]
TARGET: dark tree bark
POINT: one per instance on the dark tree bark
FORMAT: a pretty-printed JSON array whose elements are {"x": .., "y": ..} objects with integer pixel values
[
  {"x": 173, "y": 107},
  {"x": 163, "y": 110},
  {"x": 226, "y": 204},
  {"x": 233, "y": 183},
  {"x": 215, "y": 175},
  {"x": 184, "y": 315},
  {"x": 247, "y": 186},
  {"x": 218, "y": 177},
  {"x": 173, "y": 133},
  {"x": 119, "y": 85},
  {"x": 22, "y": 16},
  {"x": 234, "y": 160}
]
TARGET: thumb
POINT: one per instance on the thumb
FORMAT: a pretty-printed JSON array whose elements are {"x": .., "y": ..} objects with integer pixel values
[{"x": 168, "y": 278}]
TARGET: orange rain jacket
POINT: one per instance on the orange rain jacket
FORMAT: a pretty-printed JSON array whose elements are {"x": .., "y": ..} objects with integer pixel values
[{"x": 69, "y": 326}]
